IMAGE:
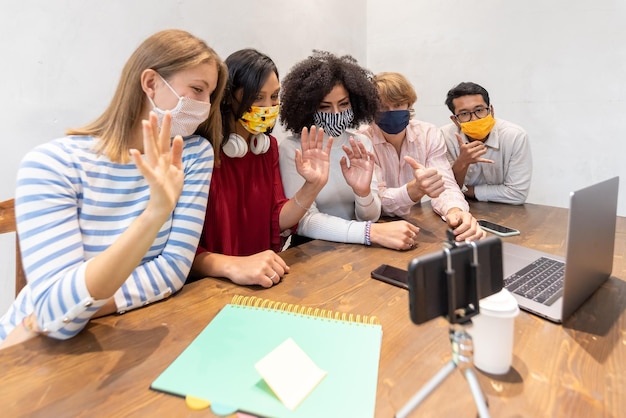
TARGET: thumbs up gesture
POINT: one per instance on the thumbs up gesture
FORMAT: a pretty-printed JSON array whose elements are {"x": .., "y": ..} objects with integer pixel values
[{"x": 428, "y": 181}]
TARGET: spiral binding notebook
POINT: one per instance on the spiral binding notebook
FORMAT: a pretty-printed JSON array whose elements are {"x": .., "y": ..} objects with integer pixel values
[{"x": 218, "y": 365}]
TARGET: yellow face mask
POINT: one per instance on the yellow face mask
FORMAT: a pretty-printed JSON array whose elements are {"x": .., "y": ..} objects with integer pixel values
[
  {"x": 260, "y": 119},
  {"x": 478, "y": 129}
]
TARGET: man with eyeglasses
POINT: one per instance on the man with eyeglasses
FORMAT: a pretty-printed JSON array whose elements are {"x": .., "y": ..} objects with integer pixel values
[{"x": 490, "y": 158}]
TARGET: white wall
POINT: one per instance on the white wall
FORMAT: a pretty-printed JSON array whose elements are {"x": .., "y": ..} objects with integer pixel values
[
  {"x": 557, "y": 68},
  {"x": 61, "y": 60}
]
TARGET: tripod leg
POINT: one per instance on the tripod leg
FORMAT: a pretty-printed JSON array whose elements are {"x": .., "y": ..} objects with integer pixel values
[
  {"x": 426, "y": 390},
  {"x": 479, "y": 399}
]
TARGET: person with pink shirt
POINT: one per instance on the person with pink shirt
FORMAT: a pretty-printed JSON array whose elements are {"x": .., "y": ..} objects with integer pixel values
[{"x": 411, "y": 160}]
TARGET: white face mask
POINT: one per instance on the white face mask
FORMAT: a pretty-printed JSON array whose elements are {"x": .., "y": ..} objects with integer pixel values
[{"x": 186, "y": 116}]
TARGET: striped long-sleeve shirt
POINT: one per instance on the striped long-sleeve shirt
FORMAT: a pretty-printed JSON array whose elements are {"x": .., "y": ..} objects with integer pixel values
[{"x": 71, "y": 204}]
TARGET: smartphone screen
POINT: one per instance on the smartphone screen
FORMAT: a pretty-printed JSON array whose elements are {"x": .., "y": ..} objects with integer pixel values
[
  {"x": 501, "y": 230},
  {"x": 392, "y": 275}
]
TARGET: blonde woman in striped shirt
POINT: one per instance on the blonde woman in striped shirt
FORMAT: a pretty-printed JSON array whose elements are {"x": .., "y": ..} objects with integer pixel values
[{"x": 109, "y": 216}]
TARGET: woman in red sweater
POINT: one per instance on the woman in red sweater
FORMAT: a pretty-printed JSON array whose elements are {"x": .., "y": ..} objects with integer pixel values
[{"x": 248, "y": 216}]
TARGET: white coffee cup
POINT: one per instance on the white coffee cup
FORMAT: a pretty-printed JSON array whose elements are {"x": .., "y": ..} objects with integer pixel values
[{"x": 492, "y": 332}]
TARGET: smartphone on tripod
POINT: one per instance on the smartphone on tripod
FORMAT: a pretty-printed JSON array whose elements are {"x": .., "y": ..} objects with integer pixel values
[{"x": 429, "y": 293}]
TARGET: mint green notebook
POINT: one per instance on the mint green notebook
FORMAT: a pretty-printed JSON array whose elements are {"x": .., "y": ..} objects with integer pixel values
[{"x": 218, "y": 365}]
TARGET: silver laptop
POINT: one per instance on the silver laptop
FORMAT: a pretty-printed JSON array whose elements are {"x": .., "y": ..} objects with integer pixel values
[{"x": 532, "y": 276}]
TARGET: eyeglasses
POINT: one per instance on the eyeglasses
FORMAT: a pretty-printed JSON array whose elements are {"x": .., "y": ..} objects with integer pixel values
[{"x": 467, "y": 116}]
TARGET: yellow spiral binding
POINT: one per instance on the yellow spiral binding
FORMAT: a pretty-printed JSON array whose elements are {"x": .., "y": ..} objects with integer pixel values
[{"x": 260, "y": 303}]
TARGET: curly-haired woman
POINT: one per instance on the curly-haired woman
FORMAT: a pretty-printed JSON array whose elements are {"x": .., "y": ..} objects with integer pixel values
[{"x": 337, "y": 94}]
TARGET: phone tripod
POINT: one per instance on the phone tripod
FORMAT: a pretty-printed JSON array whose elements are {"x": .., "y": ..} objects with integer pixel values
[
  {"x": 462, "y": 357},
  {"x": 460, "y": 340}
]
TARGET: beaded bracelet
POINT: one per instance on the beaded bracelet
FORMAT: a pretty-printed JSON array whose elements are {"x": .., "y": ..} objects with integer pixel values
[
  {"x": 368, "y": 231},
  {"x": 295, "y": 199}
]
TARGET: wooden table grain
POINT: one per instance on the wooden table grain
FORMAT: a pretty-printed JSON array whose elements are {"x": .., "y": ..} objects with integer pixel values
[{"x": 570, "y": 370}]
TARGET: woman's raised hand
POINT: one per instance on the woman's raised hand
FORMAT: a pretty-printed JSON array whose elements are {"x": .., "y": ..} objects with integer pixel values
[
  {"x": 359, "y": 174},
  {"x": 313, "y": 162},
  {"x": 161, "y": 166}
]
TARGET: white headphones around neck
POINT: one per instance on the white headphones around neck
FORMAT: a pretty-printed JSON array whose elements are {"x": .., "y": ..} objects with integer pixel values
[{"x": 237, "y": 146}]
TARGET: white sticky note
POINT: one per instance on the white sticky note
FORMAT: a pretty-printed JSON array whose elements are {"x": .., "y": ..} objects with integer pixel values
[{"x": 290, "y": 373}]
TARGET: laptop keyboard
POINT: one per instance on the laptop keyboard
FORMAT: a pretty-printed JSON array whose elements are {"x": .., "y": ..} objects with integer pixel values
[{"x": 541, "y": 281}]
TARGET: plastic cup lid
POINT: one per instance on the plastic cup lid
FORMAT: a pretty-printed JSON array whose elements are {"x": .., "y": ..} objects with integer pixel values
[{"x": 501, "y": 304}]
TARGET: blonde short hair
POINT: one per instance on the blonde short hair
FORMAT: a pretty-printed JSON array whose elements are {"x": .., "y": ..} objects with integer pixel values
[{"x": 395, "y": 89}]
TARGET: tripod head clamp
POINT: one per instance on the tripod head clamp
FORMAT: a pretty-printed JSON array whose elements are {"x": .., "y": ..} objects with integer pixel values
[{"x": 463, "y": 314}]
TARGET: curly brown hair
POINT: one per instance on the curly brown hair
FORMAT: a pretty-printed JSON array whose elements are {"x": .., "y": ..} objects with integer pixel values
[{"x": 310, "y": 80}]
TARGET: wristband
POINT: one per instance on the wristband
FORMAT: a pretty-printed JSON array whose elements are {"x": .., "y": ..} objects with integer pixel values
[
  {"x": 295, "y": 199},
  {"x": 368, "y": 232}
]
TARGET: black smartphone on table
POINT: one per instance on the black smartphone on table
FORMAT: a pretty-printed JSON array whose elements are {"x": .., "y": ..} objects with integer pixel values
[
  {"x": 392, "y": 275},
  {"x": 500, "y": 230}
]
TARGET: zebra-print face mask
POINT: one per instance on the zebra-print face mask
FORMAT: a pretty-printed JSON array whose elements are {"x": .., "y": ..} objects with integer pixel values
[{"x": 334, "y": 124}]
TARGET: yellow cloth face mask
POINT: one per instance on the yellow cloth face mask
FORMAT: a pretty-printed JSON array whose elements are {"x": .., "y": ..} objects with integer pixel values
[
  {"x": 478, "y": 129},
  {"x": 259, "y": 119}
]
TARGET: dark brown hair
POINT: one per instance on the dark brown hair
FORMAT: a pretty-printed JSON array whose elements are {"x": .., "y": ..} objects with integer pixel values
[{"x": 310, "y": 80}]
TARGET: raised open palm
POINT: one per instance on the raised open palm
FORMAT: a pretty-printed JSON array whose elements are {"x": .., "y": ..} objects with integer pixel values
[
  {"x": 313, "y": 162},
  {"x": 162, "y": 164},
  {"x": 358, "y": 173}
]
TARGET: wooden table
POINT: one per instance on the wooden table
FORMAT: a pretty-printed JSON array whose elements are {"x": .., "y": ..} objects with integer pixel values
[{"x": 576, "y": 369}]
